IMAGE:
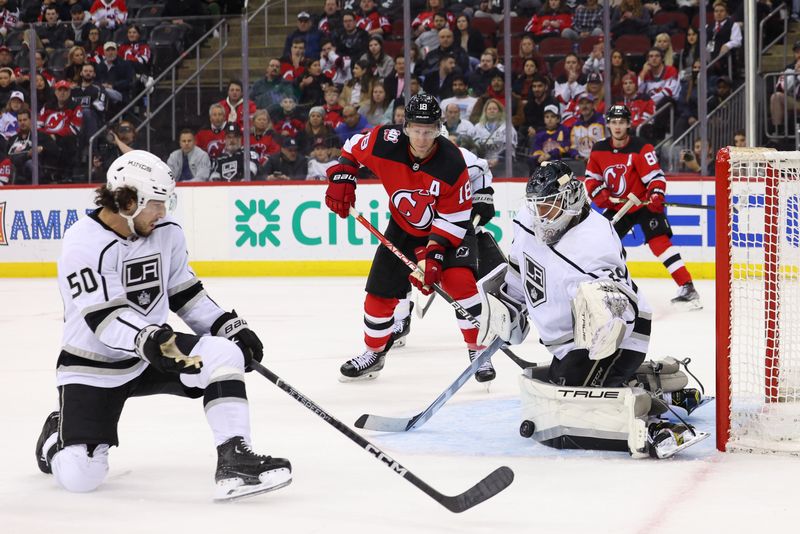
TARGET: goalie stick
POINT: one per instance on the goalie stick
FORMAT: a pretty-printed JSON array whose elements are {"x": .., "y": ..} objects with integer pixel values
[
  {"x": 436, "y": 287},
  {"x": 494, "y": 483}
]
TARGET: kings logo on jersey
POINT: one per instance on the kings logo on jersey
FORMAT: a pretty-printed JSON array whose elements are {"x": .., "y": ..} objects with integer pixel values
[
  {"x": 415, "y": 206},
  {"x": 535, "y": 282},
  {"x": 614, "y": 177},
  {"x": 142, "y": 280},
  {"x": 229, "y": 170}
]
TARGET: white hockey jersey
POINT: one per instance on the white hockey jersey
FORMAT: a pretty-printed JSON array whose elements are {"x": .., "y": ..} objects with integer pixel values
[
  {"x": 112, "y": 287},
  {"x": 546, "y": 278},
  {"x": 480, "y": 176}
]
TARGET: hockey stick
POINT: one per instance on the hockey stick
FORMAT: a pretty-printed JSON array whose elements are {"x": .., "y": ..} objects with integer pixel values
[
  {"x": 422, "y": 310},
  {"x": 436, "y": 287},
  {"x": 403, "y": 424},
  {"x": 674, "y": 204},
  {"x": 632, "y": 201},
  {"x": 494, "y": 483}
]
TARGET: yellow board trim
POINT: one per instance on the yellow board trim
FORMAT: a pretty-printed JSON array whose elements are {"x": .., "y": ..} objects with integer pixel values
[{"x": 318, "y": 268}]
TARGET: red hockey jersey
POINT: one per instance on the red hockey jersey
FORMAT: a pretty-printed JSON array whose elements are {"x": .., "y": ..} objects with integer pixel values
[
  {"x": 431, "y": 197},
  {"x": 212, "y": 140},
  {"x": 632, "y": 168},
  {"x": 61, "y": 121}
]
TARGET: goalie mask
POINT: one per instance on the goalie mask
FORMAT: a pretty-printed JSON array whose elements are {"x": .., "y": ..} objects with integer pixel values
[
  {"x": 554, "y": 197},
  {"x": 148, "y": 175}
]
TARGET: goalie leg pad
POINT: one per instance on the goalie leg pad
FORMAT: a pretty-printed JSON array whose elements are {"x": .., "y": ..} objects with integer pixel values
[
  {"x": 580, "y": 417},
  {"x": 663, "y": 376}
]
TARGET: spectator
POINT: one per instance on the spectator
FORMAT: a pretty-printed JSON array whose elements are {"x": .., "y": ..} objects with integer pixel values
[
  {"x": 40, "y": 58},
  {"x": 372, "y": 21},
  {"x": 108, "y": 14},
  {"x": 490, "y": 135},
  {"x": 594, "y": 86},
  {"x": 268, "y": 92},
  {"x": 588, "y": 20},
  {"x": 534, "y": 109},
  {"x": 293, "y": 65},
  {"x": 619, "y": 69},
  {"x": 739, "y": 139},
  {"x": 497, "y": 91},
  {"x": 690, "y": 159},
  {"x": 332, "y": 108},
  {"x": 61, "y": 118},
  {"x": 8, "y": 85},
  {"x": 641, "y": 107},
  {"x": 330, "y": 22},
  {"x": 523, "y": 81},
  {"x": 447, "y": 47},
  {"x": 687, "y": 101},
  {"x": 440, "y": 82},
  {"x": 588, "y": 129},
  {"x": 527, "y": 50},
  {"x": 596, "y": 61},
  {"x": 724, "y": 90},
  {"x": 357, "y": 90},
  {"x": 723, "y": 35},
  {"x": 399, "y": 115},
  {"x": 786, "y": 92},
  {"x": 469, "y": 39},
  {"x": 630, "y": 18},
  {"x": 263, "y": 140},
  {"x": 8, "y": 120},
  {"x": 417, "y": 64},
  {"x": 124, "y": 139},
  {"x": 92, "y": 44},
  {"x": 456, "y": 125},
  {"x": 551, "y": 142},
  {"x": 233, "y": 104},
  {"x": 657, "y": 80},
  {"x": 479, "y": 80},
  {"x": 315, "y": 129},
  {"x": 287, "y": 164},
  {"x": 492, "y": 9},
  {"x": 380, "y": 65},
  {"x": 572, "y": 83},
  {"x": 425, "y": 21},
  {"x": 305, "y": 32},
  {"x": 189, "y": 163},
  {"x": 138, "y": 54},
  {"x": 377, "y": 110},
  {"x": 212, "y": 139},
  {"x": 52, "y": 33},
  {"x": 664, "y": 43},
  {"x": 76, "y": 59},
  {"x": 428, "y": 40},
  {"x": 351, "y": 41},
  {"x": 7, "y": 60},
  {"x": 352, "y": 123},
  {"x": 335, "y": 67},
  {"x": 312, "y": 85},
  {"x": 552, "y": 20},
  {"x": 20, "y": 148},
  {"x": 6, "y": 167},
  {"x": 92, "y": 99},
  {"x": 320, "y": 161},
  {"x": 230, "y": 165},
  {"x": 119, "y": 75},
  {"x": 43, "y": 89},
  {"x": 288, "y": 119},
  {"x": 9, "y": 18},
  {"x": 395, "y": 82},
  {"x": 690, "y": 52},
  {"x": 461, "y": 97}
]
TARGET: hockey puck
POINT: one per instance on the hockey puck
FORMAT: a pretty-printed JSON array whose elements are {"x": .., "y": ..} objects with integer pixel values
[{"x": 527, "y": 428}]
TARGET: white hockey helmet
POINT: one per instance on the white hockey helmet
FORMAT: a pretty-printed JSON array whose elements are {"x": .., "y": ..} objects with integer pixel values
[{"x": 148, "y": 175}]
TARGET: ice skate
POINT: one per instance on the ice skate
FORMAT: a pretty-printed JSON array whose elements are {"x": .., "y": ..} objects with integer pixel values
[
  {"x": 47, "y": 444},
  {"x": 687, "y": 297},
  {"x": 689, "y": 399},
  {"x": 485, "y": 372},
  {"x": 667, "y": 438},
  {"x": 365, "y": 366},
  {"x": 243, "y": 473},
  {"x": 401, "y": 329}
]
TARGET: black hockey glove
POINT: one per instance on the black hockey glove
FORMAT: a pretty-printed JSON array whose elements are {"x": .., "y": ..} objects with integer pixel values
[
  {"x": 483, "y": 205},
  {"x": 231, "y": 326},
  {"x": 156, "y": 345}
]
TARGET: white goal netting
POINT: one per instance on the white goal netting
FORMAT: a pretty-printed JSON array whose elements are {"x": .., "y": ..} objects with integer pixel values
[{"x": 763, "y": 228}]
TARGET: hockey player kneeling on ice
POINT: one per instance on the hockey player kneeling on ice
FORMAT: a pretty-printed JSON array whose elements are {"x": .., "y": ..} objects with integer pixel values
[
  {"x": 567, "y": 273},
  {"x": 122, "y": 269}
]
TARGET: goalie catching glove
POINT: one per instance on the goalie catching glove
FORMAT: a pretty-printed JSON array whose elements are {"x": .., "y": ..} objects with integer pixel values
[
  {"x": 156, "y": 345},
  {"x": 231, "y": 326},
  {"x": 597, "y": 310},
  {"x": 502, "y": 315}
]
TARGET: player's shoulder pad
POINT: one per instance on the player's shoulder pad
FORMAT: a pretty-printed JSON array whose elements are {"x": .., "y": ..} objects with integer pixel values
[{"x": 604, "y": 145}]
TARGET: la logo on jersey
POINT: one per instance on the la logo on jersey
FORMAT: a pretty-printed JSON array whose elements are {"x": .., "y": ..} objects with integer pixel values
[
  {"x": 535, "y": 281},
  {"x": 415, "y": 206},
  {"x": 142, "y": 281},
  {"x": 614, "y": 177}
]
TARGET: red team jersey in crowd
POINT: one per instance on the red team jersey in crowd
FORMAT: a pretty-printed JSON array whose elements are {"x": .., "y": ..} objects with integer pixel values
[
  {"x": 61, "y": 121},
  {"x": 212, "y": 140},
  {"x": 374, "y": 20},
  {"x": 629, "y": 169},
  {"x": 135, "y": 52},
  {"x": 431, "y": 197}
]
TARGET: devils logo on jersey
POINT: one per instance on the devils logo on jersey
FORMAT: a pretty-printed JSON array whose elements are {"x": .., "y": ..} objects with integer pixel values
[
  {"x": 614, "y": 177},
  {"x": 416, "y": 207},
  {"x": 215, "y": 148}
]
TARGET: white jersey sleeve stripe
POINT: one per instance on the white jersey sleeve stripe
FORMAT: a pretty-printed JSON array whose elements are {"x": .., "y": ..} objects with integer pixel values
[
  {"x": 449, "y": 228},
  {"x": 457, "y": 217}
]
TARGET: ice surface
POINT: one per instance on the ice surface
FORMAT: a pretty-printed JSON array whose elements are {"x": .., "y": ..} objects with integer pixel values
[{"x": 161, "y": 475}]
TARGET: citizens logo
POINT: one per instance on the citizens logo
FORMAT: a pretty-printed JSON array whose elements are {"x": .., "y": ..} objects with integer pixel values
[{"x": 257, "y": 223}]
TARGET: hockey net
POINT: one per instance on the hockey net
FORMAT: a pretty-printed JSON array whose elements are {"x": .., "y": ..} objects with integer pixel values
[{"x": 758, "y": 300}]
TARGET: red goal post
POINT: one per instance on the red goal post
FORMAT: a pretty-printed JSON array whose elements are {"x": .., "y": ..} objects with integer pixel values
[{"x": 758, "y": 300}]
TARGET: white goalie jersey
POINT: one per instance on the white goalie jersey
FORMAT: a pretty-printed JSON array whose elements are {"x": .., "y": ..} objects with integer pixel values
[
  {"x": 112, "y": 287},
  {"x": 546, "y": 278}
]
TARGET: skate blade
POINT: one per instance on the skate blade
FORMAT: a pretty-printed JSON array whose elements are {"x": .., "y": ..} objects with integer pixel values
[
  {"x": 400, "y": 342},
  {"x": 368, "y": 376},
  {"x": 688, "y": 305},
  {"x": 699, "y": 436},
  {"x": 233, "y": 489}
]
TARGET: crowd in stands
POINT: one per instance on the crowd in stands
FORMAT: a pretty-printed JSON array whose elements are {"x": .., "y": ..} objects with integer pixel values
[{"x": 342, "y": 71}]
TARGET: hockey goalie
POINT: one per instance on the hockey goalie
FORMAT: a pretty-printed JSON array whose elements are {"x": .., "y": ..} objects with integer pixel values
[{"x": 566, "y": 273}]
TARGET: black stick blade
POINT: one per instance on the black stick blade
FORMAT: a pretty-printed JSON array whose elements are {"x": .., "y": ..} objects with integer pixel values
[{"x": 494, "y": 483}]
